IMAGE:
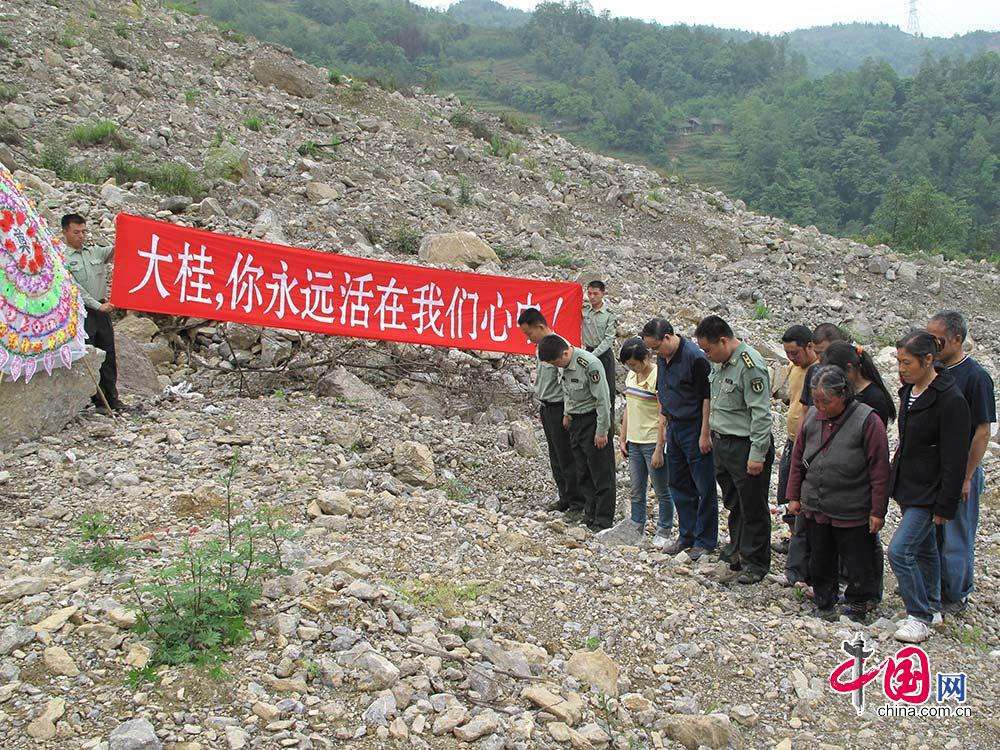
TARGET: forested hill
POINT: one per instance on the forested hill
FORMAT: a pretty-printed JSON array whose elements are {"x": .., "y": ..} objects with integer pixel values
[
  {"x": 488, "y": 13},
  {"x": 868, "y": 152}
]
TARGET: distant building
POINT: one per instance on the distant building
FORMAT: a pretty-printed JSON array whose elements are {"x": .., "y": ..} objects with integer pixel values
[
  {"x": 690, "y": 126},
  {"x": 718, "y": 126}
]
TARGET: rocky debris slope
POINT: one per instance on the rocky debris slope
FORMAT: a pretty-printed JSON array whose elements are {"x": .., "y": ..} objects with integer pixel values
[{"x": 432, "y": 602}]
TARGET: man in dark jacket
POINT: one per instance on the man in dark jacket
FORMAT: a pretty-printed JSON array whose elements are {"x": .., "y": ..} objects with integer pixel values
[{"x": 957, "y": 539}]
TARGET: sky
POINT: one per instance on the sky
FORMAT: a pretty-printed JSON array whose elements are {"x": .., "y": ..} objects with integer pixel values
[{"x": 937, "y": 17}]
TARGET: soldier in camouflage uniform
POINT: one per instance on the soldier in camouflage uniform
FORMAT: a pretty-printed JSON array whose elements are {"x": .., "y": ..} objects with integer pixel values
[
  {"x": 740, "y": 421},
  {"x": 587, "y": 408}
]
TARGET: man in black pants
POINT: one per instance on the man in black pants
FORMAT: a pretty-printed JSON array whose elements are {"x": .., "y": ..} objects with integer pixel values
[
  {"x": 740, "y": 419},
  {"x": 587, "y": 418},
  {"x": 599, "y": 331},
  {"x": 89, "y": 268},
  {"x": 548, "y": 390}
]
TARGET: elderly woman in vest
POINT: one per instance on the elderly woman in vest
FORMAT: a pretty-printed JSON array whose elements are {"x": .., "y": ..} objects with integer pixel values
[{"x": 839, "y": 480}]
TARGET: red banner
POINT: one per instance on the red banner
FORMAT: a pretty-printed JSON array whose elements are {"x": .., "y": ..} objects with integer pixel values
[{"x": 165, "y": 268}]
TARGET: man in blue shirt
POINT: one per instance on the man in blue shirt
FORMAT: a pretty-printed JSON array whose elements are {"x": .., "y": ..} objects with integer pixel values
[
  {"x": 682, "y": 387},
  {"x": 956, "y": 539}
]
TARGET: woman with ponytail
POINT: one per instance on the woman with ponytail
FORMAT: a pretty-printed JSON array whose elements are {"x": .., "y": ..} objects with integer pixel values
[
  {"x": 928, "y": 471},
  {"x": 869, "y": 388}
]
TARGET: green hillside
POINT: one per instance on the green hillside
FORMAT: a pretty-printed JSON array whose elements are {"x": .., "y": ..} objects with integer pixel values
[{"x": 857, "y": 152}]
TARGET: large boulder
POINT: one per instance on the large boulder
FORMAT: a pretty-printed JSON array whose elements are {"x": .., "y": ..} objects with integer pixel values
[
  {"x": 137, "y": 734},
  {"x": 712, "y": 730},
  {"x": 456, "y": 248},
  {"x": 272, "y": 68},
  {"x": 595, "y": 667},
  {"x": 136, "y": 373},
  {"x": 48, "y": 403},
  {"x": 414, "y": 463}
]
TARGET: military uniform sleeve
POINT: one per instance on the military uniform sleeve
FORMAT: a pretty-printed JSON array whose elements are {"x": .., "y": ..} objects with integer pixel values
[
  {"x": 598, "y": 383},
  {"x": 757, "y": 393},
  {"x": 106, "y": 253},
  {"x": 609, "y": 336}
]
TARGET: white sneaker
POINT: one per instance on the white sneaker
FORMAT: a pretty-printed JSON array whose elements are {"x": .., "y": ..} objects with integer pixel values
[
  {"x": 625, "y": 532},
  {"x": 936, "y": 620},
  {"x": 662, "y": 538},
  {"x": 912, "y": 630}
]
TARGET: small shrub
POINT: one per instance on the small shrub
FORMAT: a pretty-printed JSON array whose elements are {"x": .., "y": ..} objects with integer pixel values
[
  {"x": 760, "y": 311},
  {"x": 656, "y": 196},
  {"x": 170, "y": 178},
  {"x": 557, "y": 176},
  {"x": 187, "y": 8},
  {"x": 8, "y": 92},
  {"x": 562, "y": 261},
  {"x": 121, "y": 29},
  {"x": 309, "y": 148},
  {"x": 334, "y": 77},
  {"x": 515, "y": 123},
  {"x": 593, "y": 643},
  {"x": 502, "y": 148},
  {"x": 371, "y": 233},
  {"x": 225, "y": 161},
  {"x": 457, "y": 491},
  {"x": 191, "y": 96},
  {"x": 461, "y": 120},
  {"x": 254, "y": 123},
  {"x": 69, "y": 41},
  {"x": 464, "y": 190},
  {"x": 483, "y": 131},
  {"x": 55, "y": 156},
  {"x": 405, "y": 240},
  {"x": 197, "y": 607},
  {"x": 97, "y": 547},
  {"x": 97, "y": 132},
  {"x": 4, "y": 41},
  {"x": 531, "y": 163}
]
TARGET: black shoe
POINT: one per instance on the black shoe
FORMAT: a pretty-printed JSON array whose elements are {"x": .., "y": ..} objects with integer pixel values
[
  {"x": 574, "y": 515},
  {"x": 728, "y": 555},
  {"x": 595, "y": 527},
  {"x": 556, "y": 505},
  {"x": 748, "y": 577},
  {"x": 829, "y": 614},
  {"x": 856, "y": 613},
  {"x": 735, "y": 564}
]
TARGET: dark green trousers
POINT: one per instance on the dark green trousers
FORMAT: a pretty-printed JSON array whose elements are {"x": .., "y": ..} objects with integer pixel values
[
  {"x": 561, "y": 456},
  {"x": 595, "y": 470},
  {"x": 746, "y": 499}
]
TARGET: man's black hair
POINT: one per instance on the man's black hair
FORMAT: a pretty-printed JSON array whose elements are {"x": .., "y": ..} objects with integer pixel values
[
  {"x": 532, "y": 316},
  {"x": 595, "y": 284},
  {"x": 551, "y": 348},
  {"x": 712, "y": 329},
  {"x": 798, "y": 334},
  {"x": 657, "y": 328},
  {"x": 829, "y": 332},
  {"x": 72, "y": 219}
]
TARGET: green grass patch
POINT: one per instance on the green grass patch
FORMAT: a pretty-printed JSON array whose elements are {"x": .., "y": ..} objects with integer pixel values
[
  {"x": 449, "y": 597},
  {"x": 254, "y": 123},
  {"x": 169, "y": 178},
  {"x": 405, "y": 240},
  {"x": 761, "y": 311},
  {"x": 99, "y": 132}
]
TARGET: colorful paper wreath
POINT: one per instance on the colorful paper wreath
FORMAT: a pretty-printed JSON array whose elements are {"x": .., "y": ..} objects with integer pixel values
[{"x": 41, "y": 309}]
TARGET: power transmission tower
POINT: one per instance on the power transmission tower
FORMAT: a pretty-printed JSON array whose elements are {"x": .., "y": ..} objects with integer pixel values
[{"x": 912, "y": 19}]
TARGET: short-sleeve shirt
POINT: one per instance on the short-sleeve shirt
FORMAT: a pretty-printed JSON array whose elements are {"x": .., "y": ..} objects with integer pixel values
[
  {"x": 682, "y": 383},
  {"x": 977, "y": 387},
  {"x": 799, "y": 397},
  {"x": 642, "y": 407}
]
